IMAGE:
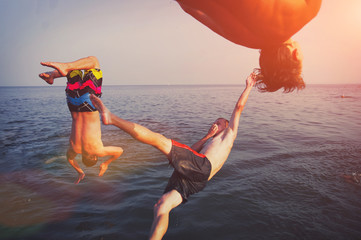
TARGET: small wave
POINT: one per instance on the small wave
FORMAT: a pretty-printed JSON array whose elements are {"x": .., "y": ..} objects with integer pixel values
[{"x": 53, "y": 159}]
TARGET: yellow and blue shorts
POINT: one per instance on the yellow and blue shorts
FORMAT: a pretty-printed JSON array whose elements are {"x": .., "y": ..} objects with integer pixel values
[{"x": 80, "y": 87}]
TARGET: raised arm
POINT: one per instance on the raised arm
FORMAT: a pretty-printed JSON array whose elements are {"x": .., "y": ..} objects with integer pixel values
[
  {"x": 234, "y": 120},
  {"x": 71, "y": 159}
]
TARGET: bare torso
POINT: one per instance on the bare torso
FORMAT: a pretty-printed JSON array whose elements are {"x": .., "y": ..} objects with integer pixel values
[
  {"x": 218, "y": 149},
  {"x": 253, "y": 23},
  {"x": 86, "y": 132}
]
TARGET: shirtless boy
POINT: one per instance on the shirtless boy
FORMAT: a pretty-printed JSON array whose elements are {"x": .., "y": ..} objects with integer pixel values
[
  {"x": 85, "y": 137},
  {"x": 194, "y": 166}
]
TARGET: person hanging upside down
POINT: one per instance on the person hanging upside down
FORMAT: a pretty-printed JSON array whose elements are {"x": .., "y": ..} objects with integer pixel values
[
  {"x": 265, "y": 25},
  {"x": 193, "y": 166},
  {"x": 85, "y": 137}
]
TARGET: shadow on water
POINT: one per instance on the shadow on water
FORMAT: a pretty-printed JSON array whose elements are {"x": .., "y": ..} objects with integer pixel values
[{"x": 34, "y": 199}]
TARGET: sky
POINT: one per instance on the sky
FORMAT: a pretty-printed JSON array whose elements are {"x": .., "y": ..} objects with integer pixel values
[{"x": 151, "y": 42}]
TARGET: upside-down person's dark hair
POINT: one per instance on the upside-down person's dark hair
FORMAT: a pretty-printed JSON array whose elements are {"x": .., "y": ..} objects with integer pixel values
[
  {"x": 279, "y": 69},
  {"x": 89, "y": 160}
]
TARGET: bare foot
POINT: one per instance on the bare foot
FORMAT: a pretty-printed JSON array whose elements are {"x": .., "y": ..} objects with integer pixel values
[
  {"x": 103, "y": 168},
  {"x": 47, "y": 77},
  {"x": 50, "y": 76},
  {"x": 104, "y": 111},
  {"x": 61, "y": 67}
]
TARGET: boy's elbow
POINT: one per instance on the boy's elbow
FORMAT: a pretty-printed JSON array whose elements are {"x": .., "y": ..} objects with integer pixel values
[{"x": 70, "y": 154}]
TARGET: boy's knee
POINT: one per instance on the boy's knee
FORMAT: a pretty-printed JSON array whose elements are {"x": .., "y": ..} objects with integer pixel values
[
  {"x": 95, "y": 61},
  {"x": 162, "y": 143},
  {"x": 161, "y": 207}
]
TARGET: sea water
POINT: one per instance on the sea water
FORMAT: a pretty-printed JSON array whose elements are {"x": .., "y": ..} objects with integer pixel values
[{"x": 282, "y": 180}]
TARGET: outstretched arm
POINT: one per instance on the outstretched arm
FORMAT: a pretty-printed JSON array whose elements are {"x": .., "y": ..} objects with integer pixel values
[
  {"x": 114, "y": 153},
  {"x": 71, "y": 158},
  {"x": 234, "y": 121},
  {"x": 211, "y": 132}
]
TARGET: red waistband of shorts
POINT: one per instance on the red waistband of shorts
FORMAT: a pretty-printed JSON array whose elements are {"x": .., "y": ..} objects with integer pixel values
[{"x": 181, "y": 145}]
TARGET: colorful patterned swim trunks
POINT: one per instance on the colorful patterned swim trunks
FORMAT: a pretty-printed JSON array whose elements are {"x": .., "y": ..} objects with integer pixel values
[{"x": 80, "y": 87}]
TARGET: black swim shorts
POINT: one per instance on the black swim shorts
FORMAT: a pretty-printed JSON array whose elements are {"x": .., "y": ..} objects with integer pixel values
[
  {"x": 191, "y": 170},
  {"x": 79, "y": 88}
]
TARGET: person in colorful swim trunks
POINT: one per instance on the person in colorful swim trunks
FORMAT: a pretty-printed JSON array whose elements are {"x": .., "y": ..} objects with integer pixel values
[
  {"x": 193, "y": 166},
  {"x": 85, "y": 137}
]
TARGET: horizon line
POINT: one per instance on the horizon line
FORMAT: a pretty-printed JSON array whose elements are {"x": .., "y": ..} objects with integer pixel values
[{"x": 200, "y": 84}]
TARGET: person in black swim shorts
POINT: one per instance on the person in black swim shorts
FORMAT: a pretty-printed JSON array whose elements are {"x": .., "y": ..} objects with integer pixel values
[
  {"x": 85, "y": 137},
  {"x": 191, "y": 170},
  {"x": 193, "y": 166}
]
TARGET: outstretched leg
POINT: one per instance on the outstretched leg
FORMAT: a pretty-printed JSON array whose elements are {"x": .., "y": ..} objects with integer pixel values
[
  {"x": 137, "y": 131},
  {"x": 162, "y": 208},
  {"x": 81, "y": 64}
]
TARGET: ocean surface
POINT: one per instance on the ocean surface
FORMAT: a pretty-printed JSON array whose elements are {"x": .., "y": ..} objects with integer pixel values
[{"x": 282, "y": 180}]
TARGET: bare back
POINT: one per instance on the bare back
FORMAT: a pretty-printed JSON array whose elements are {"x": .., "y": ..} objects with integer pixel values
[
  {"x": 86, "y": 132},
  {"x": 253, "y": 23},
  {"x": 218, "y": 148}
]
